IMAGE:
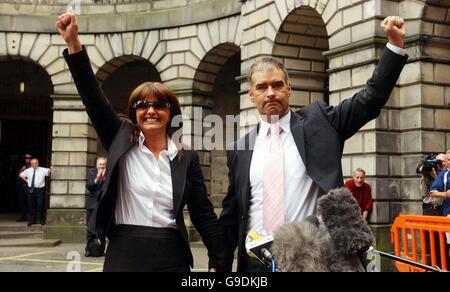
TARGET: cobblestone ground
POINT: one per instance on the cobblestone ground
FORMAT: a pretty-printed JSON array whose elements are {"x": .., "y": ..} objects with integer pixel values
[{"x": 67, "y": 258}]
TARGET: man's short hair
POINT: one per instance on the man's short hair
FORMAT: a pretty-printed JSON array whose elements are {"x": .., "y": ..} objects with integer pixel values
[
  {"x": 360, "y": 170},
  {"x": 448, "y": 152},
  {"x": 265, "y": 63}
]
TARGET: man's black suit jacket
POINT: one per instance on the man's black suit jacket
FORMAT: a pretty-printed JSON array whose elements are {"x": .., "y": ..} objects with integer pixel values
[
  {"x": 187, "y": 178},
  {"x": 94, "y": 190},
  {"x": 319, "y": 131}
]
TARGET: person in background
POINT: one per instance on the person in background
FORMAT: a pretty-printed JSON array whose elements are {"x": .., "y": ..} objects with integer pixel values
[
  {"x": 361, "y": 191},
  {"x": 448, "y": 159},
  {"x": 35, "y": 178},
  {"x": 94, "y": 246},
  {"x": 443, "y": 158},
  {"x": 441, "y": 189},
  {"x": 22, "y": 188}
]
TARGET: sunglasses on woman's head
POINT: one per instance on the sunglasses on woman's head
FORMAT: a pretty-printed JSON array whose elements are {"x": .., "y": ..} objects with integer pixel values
[{"x": 145, "y": 105}]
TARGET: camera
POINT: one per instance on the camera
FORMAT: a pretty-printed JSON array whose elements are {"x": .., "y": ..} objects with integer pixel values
[{"x": 429, "y": 163}]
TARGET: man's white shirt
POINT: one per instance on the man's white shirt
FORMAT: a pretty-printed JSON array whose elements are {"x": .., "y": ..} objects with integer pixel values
[{"x": 39, "y": 178}]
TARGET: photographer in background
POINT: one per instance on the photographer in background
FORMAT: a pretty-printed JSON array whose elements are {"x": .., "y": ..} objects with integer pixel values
[
  {"x": 442, "y": 157},
  {"x": 428, "y": 169},
  {"x": 440, "y": 189}
]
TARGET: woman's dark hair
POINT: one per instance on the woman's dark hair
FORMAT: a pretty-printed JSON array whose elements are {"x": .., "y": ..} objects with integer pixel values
[{"x": 151, "y": 91}]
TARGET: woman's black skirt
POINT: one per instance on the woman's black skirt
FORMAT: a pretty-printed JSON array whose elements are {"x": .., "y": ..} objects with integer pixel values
[{"x": 146, "y": 249}]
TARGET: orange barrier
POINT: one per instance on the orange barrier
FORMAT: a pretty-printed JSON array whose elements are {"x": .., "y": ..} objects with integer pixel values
[{"x": 409, "y": 232}]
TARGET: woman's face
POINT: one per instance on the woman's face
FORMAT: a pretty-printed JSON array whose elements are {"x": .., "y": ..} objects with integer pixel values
[{"x": 152, "y": 115}]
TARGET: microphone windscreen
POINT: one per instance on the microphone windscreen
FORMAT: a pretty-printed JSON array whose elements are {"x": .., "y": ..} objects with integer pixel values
[
  {"x": 297, "y": 247},
  {"x": 312, "y": 219},
  {"x": 341, "y": 215}
]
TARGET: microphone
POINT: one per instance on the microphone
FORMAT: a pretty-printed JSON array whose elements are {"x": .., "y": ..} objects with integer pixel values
[
  {"x": 350, "y": 234},
  {"x": 313, "y": 220},
  {"x": 299, "y": 247},
  {"x": 337, "y": 240},
  {"x": 333, "y": 241},
  {"x": 341, "y": 214},
  {"x": 258, "y": 247}
]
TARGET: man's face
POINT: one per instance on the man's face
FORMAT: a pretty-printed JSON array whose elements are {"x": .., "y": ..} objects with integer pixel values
[
  {"x": 448, "y": 161},
  {"x": 34, "y": 163},
  {"x": 359, "y": 178},
  {"x": 444, "y": 159},
  {"x": 27, "y": 161},
  {"x": 101, "y": 164},
  {"x": 269, "y": 92}
]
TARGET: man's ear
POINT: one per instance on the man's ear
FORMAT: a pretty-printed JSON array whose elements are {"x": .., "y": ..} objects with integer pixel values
[{"x": 251, "y": 95}]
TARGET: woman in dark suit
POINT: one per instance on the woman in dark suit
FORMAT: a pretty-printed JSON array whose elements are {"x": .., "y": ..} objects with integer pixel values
[{"x": 149, "y": 178}]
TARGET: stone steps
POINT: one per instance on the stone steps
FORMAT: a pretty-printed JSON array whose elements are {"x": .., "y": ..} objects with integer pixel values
[
  {"x": 21, "y": 234},
  {"x": 29, "y": 242},
  {"x": 20, "y": 228},
  {"x": 18, "y": 234}
]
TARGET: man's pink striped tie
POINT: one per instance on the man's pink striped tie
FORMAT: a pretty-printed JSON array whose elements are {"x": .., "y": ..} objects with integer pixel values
[{"x": 273, "y": 183}]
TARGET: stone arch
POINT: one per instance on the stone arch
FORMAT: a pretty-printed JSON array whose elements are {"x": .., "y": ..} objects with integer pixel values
[
  {"x": 119, "y": 77},
  {"x": 43, "y": 49},
  {"x": 328, "y": 11},
  {"x": 216, "y": 84},
  {"x": 299, "y": 45},
  {"x": 113, "y": 50},
  {"x": 208, "y": 69},
  {"x": 211, "y": 35},
  {"x": 25, "y": 120},
  {"x": 345, "y": 22},
  {"x": 435, "y": 21},
  {"x": 223, "y": 31},
  {"x": 435, "y": 17},
  {"x": 435, "y": 69}
]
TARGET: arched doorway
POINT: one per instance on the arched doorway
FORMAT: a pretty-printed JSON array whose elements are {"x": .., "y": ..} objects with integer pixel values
[
  {"x": 119, "y": 77},
  {"x": 25, "y": 122},
  {"x": 300, "y": 43},
  {"x": 216, "y": 78}
]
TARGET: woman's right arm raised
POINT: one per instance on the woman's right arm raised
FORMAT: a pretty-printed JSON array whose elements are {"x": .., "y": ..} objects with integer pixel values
[
  {"x": 68, "y": 29},
  {"x": 104, "y": 119}
]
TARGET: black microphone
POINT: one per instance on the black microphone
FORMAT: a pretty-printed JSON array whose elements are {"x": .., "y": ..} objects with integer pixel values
[
  {"x": 258, "y": 246},
  {"x": 313, "y": 220}
]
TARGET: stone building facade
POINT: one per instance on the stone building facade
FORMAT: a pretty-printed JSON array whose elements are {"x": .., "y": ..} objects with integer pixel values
[{"x": 203, "y": 48}]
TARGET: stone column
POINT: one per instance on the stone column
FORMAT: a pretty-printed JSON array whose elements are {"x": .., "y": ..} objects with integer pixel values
[
  {"x": 74, "y": 149},
  {"x": 194, "y": 107}
]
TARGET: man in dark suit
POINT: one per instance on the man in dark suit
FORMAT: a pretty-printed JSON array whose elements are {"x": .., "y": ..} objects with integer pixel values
[
  {"x": 278, "y": 170},
  {"x": 23, "y": 190},
  {"x": 94, "y": 184}
]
